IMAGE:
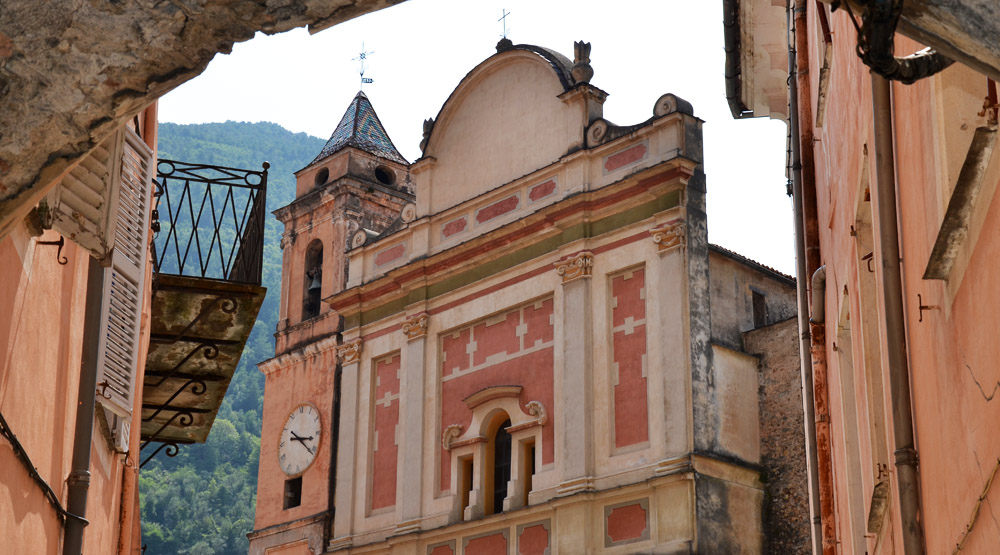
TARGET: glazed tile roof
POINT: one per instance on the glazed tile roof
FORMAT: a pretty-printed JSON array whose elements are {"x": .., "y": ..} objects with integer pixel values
[{"x": 361, "y": 128}]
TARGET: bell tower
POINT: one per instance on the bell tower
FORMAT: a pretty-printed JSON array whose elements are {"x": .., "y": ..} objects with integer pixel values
[{"x": 358, "y": 183}]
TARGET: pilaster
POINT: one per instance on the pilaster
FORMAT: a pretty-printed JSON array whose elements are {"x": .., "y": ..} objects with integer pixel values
[
  {"x": 410, "y": 469},
  {"x": 349, "y": 357},
  {"x": 576, "y": 420}
]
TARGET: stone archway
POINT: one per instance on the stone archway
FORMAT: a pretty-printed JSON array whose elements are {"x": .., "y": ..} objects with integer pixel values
[{"x": 72, "y": 71}]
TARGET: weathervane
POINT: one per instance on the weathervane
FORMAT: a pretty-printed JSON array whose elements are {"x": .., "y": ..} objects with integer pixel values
[
  {"x": 362, "y": 57},
  {"x": 503, "y": 18}
]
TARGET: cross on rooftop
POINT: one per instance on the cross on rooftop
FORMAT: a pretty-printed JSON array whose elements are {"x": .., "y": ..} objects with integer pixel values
[
  {"x": 362, "y": 57},
  {"x": 504, "y": 19}
]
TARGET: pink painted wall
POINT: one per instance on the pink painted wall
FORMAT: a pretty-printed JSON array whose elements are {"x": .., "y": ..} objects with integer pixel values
[
  {"x": 952, "y": 348},
  {"x": 42, "y": 309},
  {"x": 488, "y": 354},
  {"x": 307, "y": 380}
]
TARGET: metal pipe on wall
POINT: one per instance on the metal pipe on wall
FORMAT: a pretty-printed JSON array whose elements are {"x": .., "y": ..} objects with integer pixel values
[
  {"x": 896, "y": 348},
  {"x": 79, "y": 477},
  {"x": 802, "y": 294},
  {"x": 811, "y": 249}
]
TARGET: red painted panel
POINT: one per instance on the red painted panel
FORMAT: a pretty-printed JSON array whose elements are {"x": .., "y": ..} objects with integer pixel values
[
  {"x": 531, "y": 370},
  {"x": 494, "y": 544},
  {"x": 390, "y": 254},
  {"x": 454, "y": 226},
  {"x": 625, "y": 157},
  {"x": 442, "y": 550},
  {"x": 385, "y": 448},
  {"x": 496, "y": 338},
  {"x": 497, "y": 209},
  {"x": 542, "y": 190},
  {"x": 629, "y": 294},
  {"x": 534, "y": 540},
  {"x": 539, "y": 322},
  {"x": 628, "y": 316},
  {"x": 454, "y": 352},
  {"x": 626, "y": 523}
]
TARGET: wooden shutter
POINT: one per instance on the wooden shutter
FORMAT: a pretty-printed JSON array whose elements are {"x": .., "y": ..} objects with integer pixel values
[
  {"x": 123, "y": 279},
  {"x": 82, "y": 204}
]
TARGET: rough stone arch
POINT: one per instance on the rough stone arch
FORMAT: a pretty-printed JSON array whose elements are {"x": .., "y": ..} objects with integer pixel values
[{"x": 72, "y": 71}]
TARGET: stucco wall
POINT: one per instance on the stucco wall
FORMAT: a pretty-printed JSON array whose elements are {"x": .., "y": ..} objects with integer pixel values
[
  {"x": 951, "y": 347},
  {"x": 733, "y": 284},
  {"x": 42, "y": 307},
  {"x": 504, "y": 121}
]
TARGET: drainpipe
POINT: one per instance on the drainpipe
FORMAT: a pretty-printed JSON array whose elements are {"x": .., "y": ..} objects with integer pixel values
[
  {"x": 810, "y": 230},
  {"x": 79, "y": 478},
  {"x": 802, "y": 294},
  {"x": 895, "y": 333}
]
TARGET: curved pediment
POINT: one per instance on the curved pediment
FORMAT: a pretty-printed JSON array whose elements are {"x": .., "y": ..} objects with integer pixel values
[{"x": 505, "y": 119}]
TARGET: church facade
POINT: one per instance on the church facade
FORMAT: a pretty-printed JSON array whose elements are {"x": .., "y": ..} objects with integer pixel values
[{"x": 523, "y": 342}]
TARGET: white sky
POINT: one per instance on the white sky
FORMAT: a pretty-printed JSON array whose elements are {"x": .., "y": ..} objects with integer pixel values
[{"x": 423, "y": 48}]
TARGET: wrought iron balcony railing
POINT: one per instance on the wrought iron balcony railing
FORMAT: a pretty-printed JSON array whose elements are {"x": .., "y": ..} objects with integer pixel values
[{"x": 211, "y": 221}]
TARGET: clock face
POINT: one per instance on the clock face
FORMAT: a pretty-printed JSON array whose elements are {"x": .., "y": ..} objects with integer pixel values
[{"x": 300, "y": 439}]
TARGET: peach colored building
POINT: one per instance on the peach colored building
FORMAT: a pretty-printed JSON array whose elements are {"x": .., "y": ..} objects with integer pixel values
[
  {"x": 526, "y": 343},
  {"x": 112, "y": 350},
  {"x": 54, "y": 306},
  {"x": 899, "y": 233}
]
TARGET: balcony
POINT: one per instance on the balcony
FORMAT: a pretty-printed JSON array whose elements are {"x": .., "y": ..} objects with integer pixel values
[{"x": 207, "y": 261}]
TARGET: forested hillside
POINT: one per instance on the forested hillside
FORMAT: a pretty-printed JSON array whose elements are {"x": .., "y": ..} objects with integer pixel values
[{"x": 202, "y": 501}]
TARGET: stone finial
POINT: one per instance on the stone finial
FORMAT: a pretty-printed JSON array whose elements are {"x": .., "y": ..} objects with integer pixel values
[
  {"x": 428, "y": 127},
  {"x": 504, "y": 45},
  {"x": 582, "y": 72}
]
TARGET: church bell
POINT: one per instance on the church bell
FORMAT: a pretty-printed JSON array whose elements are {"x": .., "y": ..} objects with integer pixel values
[{"x": 315, "y": 285}]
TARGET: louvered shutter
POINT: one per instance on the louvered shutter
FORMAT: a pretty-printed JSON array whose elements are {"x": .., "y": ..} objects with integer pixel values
[
  {"x": 122, "y": 298},
  {"x": 82, "y": 204}
]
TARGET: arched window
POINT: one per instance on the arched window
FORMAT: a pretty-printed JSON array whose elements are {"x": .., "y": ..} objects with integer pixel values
[
  {"x": 313, "y": 280},
  {"x": 500, "y": 443}
]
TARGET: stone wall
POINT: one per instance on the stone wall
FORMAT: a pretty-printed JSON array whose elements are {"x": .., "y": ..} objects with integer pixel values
[
  {"x": 782, "y": 442},
  {"x": 71, "y": 72}
]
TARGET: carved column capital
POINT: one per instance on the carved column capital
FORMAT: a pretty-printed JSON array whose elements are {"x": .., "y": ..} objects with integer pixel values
[
  {"x": 670, "y": 235},
  {"x": 350, "y": 352},
  {"x": 578, "y": 266},
  {"x": 415, "y": 326}
]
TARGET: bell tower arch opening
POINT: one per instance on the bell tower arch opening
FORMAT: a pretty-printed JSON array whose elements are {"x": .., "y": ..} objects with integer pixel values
[{"x": 313, "y": 283}]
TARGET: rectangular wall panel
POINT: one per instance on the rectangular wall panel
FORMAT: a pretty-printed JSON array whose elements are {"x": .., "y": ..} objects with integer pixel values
[
  {"x": 628, "y": 354},
  {"x": 385, "y": 440}
]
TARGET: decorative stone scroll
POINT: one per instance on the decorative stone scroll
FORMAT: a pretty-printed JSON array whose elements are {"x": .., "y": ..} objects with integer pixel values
[
  {"x": 451, "y": 433},
  {"x": 670, "y": 235},
  {"x": 415, "y": 326},
  {"x": 537, "y": 409},
  {"x": 578, "y": 266},
  {"x": 350, "y": 352}
]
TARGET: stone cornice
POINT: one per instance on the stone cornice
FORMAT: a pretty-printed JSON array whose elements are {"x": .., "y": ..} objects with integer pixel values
[
  {"x": 650, "y": 183},
  {"x": 287, "y": 359}
]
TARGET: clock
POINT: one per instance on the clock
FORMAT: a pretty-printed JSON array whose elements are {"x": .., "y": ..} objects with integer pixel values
[{"x": 300, "y": 439}]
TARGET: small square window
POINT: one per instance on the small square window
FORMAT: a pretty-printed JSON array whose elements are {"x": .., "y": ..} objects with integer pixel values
[{"x": 293, "y": 492}]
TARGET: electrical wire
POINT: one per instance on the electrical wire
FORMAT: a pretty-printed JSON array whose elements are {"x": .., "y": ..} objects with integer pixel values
[
  {"x": 975, "y": 511},
  {"x": 22, "y": 455}
]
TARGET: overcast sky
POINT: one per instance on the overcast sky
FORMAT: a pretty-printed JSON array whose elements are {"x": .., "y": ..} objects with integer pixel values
[{"x": 423, "y": 48}]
